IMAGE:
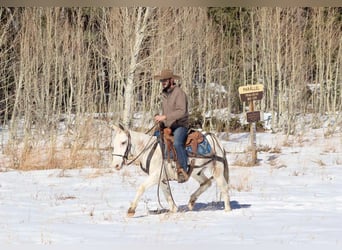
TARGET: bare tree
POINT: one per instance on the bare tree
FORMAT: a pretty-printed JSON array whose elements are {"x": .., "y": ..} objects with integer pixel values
[{"x": 73, "y": 66}]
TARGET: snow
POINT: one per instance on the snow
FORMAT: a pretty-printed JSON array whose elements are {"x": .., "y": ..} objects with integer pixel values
[{"x": 293, "y": 197}]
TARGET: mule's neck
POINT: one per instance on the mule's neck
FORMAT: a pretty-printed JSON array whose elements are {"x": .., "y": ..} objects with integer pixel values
[{"x": 140, "y": 141}]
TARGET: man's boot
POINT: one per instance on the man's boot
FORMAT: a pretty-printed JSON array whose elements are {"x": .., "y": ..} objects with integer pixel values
[{"x": 182, "y": 176}]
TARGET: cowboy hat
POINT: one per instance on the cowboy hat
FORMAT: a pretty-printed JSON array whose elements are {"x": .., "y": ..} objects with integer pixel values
[{"x": 166, "y": 74}]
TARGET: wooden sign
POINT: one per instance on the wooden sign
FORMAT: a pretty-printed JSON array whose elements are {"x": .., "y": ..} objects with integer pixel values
[
  {"x": 253, "y": 116},
  {"x": 251, "y": 92}
]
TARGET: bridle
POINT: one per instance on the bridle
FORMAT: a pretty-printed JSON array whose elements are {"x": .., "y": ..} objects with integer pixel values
[{"x": 127, "y": 152}]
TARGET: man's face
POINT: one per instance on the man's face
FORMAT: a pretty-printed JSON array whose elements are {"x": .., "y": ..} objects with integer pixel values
[{"x": 166, "y": 83}]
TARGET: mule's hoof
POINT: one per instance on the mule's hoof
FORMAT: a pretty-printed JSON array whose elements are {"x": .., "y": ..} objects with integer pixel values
[
  {"x": 130, "y": 212},
  {"x": 191, "y": 205},
  {"x": 174, "y": 210},
  {"x": 228, "y": 209}
]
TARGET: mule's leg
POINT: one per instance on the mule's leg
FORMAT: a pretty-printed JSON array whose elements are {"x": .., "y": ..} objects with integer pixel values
[
  {"x": 204, "y": 182},
  {"x": 167, "y": 193},
  {"x": 149, "y": 182},
  {"x": 223, "y": 185}
]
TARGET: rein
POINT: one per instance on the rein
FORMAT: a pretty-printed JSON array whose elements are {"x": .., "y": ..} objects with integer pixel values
[{"x": 147, "y": 146}]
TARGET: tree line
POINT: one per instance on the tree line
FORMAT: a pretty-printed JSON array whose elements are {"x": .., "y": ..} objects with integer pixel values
[{"x": 60, "y": 62}]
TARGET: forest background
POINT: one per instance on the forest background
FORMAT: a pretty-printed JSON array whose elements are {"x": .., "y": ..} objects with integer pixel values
[{"x": 73, "y": 67}]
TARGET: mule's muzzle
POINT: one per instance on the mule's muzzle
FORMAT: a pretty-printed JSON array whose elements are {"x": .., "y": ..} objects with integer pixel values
[{"x": 118, "y": 167}]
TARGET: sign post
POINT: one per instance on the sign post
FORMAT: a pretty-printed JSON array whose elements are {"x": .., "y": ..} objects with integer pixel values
[
  {"x": 252, "y": 131},
  {"x": 249, "y": 94}
]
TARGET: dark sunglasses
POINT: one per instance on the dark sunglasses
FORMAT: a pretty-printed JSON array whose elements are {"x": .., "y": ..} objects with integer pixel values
[{"x": 164, "y": 80}]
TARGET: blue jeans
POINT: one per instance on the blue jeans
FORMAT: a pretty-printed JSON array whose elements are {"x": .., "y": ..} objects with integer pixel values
[{"x": 180, "y": 135}]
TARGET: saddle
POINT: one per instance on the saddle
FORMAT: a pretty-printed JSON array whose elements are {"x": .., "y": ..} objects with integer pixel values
[{"x": 192, "y": 140}]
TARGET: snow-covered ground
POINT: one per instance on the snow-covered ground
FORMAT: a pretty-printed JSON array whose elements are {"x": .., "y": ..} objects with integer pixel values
[{"x": 293, "y": 197}]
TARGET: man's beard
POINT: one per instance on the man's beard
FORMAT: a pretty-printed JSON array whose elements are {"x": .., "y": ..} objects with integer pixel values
[{"x": 167, "y": 87}]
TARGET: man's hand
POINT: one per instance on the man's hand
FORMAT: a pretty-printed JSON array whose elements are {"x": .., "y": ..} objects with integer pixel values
[{"x": 160, "y": 118}]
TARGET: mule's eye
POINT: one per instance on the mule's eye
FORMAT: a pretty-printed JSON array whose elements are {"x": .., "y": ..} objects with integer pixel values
[{"x": 123, "y": 143}]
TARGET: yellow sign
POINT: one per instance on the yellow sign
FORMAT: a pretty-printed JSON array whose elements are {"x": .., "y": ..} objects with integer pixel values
[
  {"x": 251, "y": 89},
  {"x": 251, "y": 92}
]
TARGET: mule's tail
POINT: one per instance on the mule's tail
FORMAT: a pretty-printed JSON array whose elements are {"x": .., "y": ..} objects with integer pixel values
[
  {"x": 225, "y": 167},
  {"x": 225, "y": 161}
]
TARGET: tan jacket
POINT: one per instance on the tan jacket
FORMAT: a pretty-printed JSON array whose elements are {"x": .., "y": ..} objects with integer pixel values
[{"x": 175, "y": 107}]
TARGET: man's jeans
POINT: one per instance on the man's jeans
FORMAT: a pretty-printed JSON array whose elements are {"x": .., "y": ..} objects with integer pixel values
[{"x": 180, "y": 135}]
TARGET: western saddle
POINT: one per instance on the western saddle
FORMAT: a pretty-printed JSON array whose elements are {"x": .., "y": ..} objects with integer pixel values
[{"x": 194, "y": 138}]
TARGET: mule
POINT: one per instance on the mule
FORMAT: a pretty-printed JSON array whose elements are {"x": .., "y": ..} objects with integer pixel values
[{"x": 146, "y": 149}]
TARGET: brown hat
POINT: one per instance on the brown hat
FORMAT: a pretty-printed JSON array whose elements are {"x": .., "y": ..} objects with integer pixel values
[{"x": 166, "y": 74}]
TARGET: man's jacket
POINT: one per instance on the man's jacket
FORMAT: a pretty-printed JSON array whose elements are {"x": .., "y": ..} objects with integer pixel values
[{"x": 175, "y": 107}]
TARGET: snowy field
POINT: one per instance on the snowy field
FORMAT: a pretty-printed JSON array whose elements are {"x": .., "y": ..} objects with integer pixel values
[{"x": 293, "y": 197}]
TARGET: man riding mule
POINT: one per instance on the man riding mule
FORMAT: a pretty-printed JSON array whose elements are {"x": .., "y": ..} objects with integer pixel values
[
  {"x": 153, "y": 156},
  {"x": 131, "y": 146},
  {"x": 175, "y": 117}
]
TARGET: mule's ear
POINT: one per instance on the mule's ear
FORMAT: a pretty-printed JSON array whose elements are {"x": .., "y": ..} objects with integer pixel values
[
  {"x": 121, "y": 126},
  {"x": 115, "y": 128}
]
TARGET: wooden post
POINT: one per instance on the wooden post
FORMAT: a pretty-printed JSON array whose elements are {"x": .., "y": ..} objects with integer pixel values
[
  {"x": 253, "y": 136},
  {"x": 251, "y": 93}
]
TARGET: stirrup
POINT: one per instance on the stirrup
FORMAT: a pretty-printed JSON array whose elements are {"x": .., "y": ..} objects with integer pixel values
[{"x": 182, "y": 176}]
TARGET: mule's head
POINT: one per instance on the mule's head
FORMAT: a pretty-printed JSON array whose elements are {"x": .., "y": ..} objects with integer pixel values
[{"x": 121, "y": 147}]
